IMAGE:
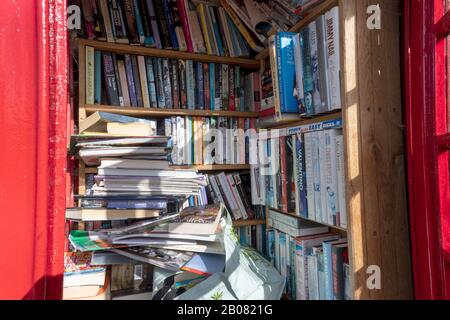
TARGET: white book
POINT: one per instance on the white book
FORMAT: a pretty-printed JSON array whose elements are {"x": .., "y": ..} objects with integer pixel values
[
  {"x": 143, "y": 80},
  {"x": 340, "y": 168},
  {"x": 313, "y": 285},
  {"x": 188, "y": 141},
  {"x": 275, "y": 152},
  {"x": 226, "y": 187},
  {"x": 299, "y": 92},
  {"x": 177, "y": 174},
  {"x": 237, "y": 196},
  {"x": 316, "y": 176},
  {"x": 123, "y": 83},
  {"x": 181, "y": 141},
  {"x": 315, "y": 67},
  {"x": 323, "y": 63},
  {"x": 323, "y": 178},
  {"x": 277, "y": 249},
  {"x": 330, "y": 172},
  {"x": 334, "y": 63},
  {"x": 174, "y": 141},
  {"x": 133, "y": 163},
  {"x": 198, "y": 43},
  {"x": 91, "y": 156},
  {"x": 309, "y": 168}
]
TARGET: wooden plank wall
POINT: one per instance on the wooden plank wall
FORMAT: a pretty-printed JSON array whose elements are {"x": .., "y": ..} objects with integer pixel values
[{"x": 373, "y": 130}]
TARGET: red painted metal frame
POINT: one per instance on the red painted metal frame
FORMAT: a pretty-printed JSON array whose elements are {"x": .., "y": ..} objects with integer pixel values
[
  {"x": 428, "y": 166},
  {"x": 33, "y": 102}
]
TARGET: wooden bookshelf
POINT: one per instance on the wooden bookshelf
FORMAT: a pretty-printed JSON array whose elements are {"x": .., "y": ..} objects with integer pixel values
[
  {"x": 164, "y": 113},
  {"x": 304, "y": 121},
  {"x": 246, "y": 223},
  {"x": 311, "y": 16},
  {"x": 164, "y": 53}
]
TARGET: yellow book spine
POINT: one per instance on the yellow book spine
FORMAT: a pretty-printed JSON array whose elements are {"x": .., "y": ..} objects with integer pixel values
[
  {"x": 90, "y": 88},
  {"x": 201, "y": 12},
  {"x": 143, "y": 80}
]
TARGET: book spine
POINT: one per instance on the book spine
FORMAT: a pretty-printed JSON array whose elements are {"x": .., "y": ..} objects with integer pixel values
[
  {"x": 98, "y": 77},
  {"x": 205, "y": 87},
  {"x": 212, "y": 82},
  {"x": 321, "y": 276},
  {"x": 337, "y": 253},
  {"x": 312, "y": 277},
  {"x": 136, "y": 76},
  {"x": 275, "y": 78},
  {"x": 189, "y": 141},
  {"x": 256, "y": 91},
  {"x": 225, "y": 84},
  {"x": 154, "y": 23},
  {"x": 162, "y": 25},
  {"x": 299, "y": 87},
  {"x": 130, "y": 80},
  {"x": 149, "y": 39},
  {"x": 159, "y": 83},
  {"x": 167, "y": 87},
  {"x": 323, "y": 64},
  {"x": 315, "y": 67},
  {"x": 334, "y": 70},
  {"x": 123, "y": 82},
  {"x": 88, "y": 19},
  {"x": 139, "y": 21},
  {"x": 170, "y": 24},
  {"x": 202, "y": 17},
  {"x": 151, "y": 82},
  {"x": 183, "y": 8},
  {"x": 200, "y": 86},
  {"x": 316, "y": 177},
  {"x": 118, "y": 80},
  {"x": 340, "y": 173},
  {"x": 228, "y": 194},
  {"x": 331, "y": 187},
  {"x": 231, "y": 89},
  {"x": 309, "y": 172},
  {"x": 190, "y": 84},
  {"x": 198, "y": 43},
  {"x": 183, "y": 85},
  {"x": 131, "y": 21},
  {"x": 181, "y": 140},
  {"x": 90, "y": 75},
  {"x": 218, "y": 87},
  {"x": 308, "y": 85},
  {"x": 236, "y": 196},
  {"x": 284, "y": 206},
  {"x": 300, "y": 155},
  {"x": 118, "y": 23},
  {"x": 175, "y": 83},
  {"x": 178, "y": 25},
  {"x": 243, "y": 141},
  {"x": 243, "y": 196},
  {"x": 216, "y": 30},
  {"x": 237, "y": 88},
  {"x": 110, "y": 79},
  {"x": 144, "y": 81},
  {"x": 210, "y": 30},
  {"x": 103, "y": 4}
]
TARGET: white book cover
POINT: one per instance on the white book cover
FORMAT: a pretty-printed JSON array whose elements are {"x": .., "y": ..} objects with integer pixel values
[
  {"x": 340, "y": 168},
  {"x": 315, "y": 67},
  {"x": 316, "y": 176},
  {"x": 174, "y": 140},
  {"x": 323, "y": 63},
  {"x": 236, "y": 196},
  {"x": 275, "y": 152},
  {"x": 334, "y": 64},
  {"x": 188, "y": 141},
  {"x": 143, "y": 80},
  {"x": 181, "y": 141},
  {"x": 123, "y": 83},
  {"x": 198, "y": 43},
  {"x": 229, "y": 194},
  {"x": 309, "y": 168},
  {"x": 295, "y": 173},
  {"x": 330, "y": 168},
  {"x": 283, "y": 255},
  {"x": 313, "y": 286},
  {"x": 323, "y": 178}
]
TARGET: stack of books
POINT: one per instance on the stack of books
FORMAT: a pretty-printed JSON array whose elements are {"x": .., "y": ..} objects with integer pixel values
[
  {"x": 314, "y": 262},
  {"x": 136, "y": 81},
  {"x": 186, "y": 241},
  {"x": 305, "y": 71}
]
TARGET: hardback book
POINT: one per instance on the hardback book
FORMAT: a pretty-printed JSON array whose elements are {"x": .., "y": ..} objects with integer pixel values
[
  {"x": 333, "y": 54},
  {"x": 197, "y": 220},
  {"x": 96, "y": 214}
]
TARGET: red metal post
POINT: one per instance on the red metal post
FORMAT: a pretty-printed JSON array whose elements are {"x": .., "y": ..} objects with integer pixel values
[{"x": 33, "y": 102}]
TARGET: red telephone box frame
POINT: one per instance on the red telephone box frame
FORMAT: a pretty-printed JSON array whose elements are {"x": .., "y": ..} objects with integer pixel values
[
  {"x": 33, "y": 104},
  {"x": 425, "y": 70}
]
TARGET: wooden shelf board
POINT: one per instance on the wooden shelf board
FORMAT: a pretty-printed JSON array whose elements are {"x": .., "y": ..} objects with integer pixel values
[
  {"x": 292, "y": 214},
  {"x": 304, "y": 121},
  {"x": 312, "y": 15},
  {"x": 161, "y": 113},
  {"x": 171, "y": 54},
  {"x": 245, "y": 223},
  {"x": 215, "y": 167}
]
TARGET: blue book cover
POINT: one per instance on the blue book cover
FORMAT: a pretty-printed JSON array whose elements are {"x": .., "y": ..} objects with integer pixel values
[
  {"x": 243, "y": 236},
  {"x": 200, "y": 86},
  {"x": 158, "y": 66},
  {"x": 212, "y": 79},
  {"x": 151, "y": 82},
  {"x": 308, "y": 83},
  {"x": 286, "y": 71},
  {"x": 130, "y": 80},
  {"x": 270, "y": 245},
  {"x": 170, "y": 25},
  {"x": 302, "y": 209},
  {"x": 140, "y": 27},
  {"x": 136, "y": 204},
  {"x": 205, "y": 264},
  {"x": 216, "y": 30},
  {"x": 328, "y": 270},
  {"x": 153, "y": 23},
  {"x": 98, "y": 77}
]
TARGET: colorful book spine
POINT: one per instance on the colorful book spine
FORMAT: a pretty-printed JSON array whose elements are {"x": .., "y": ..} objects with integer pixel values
[
  {"x": 110, "y": 79},
  {"x": 337, "y": 257},
  {"x": 130, "y": 80},
  {"x": 173, "y": 64},
  {"x": 299, "y": 87},
  {"x": 201, "y": 8},
  {"x": 131, "y": 20},
  {"x": 212, "y": 82},
  {"x": 183, "y": 85},
  {"x": 334, "y": 66},
  {"x": 139, "y": 23},
  {"x": 231, "y": 89},
  {"x": 218, "y": 87},
  {"x": 274, "y": 72},
  {"x": 340, "y": 172},
  {"x": 256, "y": 91},
  {"x": 284, "y": 206},
  {"x": 301, "y": 202},
  {"x": 151, "y": 82},
  {"x": 120, "y": 33},
  {"x": 216, "y": 30},
  {"x": 144, "y": 81},
  {"x": 308, "y": 85},
  {"x": 118, "y": 80},
  {"x": 140, "y": 101},
  {"x": 190, "y": 84},
  {"x": 170, "y": 24},
  {"x": 183, "y": 7},
  {"x": 200, "y": 86},
  {"x": 286, "y": 71},
  {"x": 237, "y": 88},
  {"x": 162, "y": 25},
  {"x": 225, "y": 85},
  {"x": 90, "y": 75},
  {"x": 198, "y": 43},
  {"x": 206, "y": 86},
  {"x": 98, "y": 77},
  {"x": 167, "y": 87},
  {"x": 149, "y": 39},
  {"x": 154, "y": 23},
  {"x": 159, "y": 82}
]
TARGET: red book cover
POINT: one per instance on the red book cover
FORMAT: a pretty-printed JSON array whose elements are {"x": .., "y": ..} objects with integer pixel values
[
  {"x": 257, "y": 92},
  {"x": 231, "y": 91},
  {"x": 206, "y": 86},
  {"x": 267, "y": 112},
  {"x": 284, "y": 206},
  {"x": 185, "y": 23}
]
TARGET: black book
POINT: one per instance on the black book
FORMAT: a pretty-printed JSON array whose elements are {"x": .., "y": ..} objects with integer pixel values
[
  {"x": 137, "y": 81},
  {"x": 131, "y": 21},
  {"x": 162, "y": 25},
  {"x": 119, "y": 88},
  {"x": 182, "y": 83},
  {"x": 117, "y": 20},
  {"x": 110, "y": 79},
  {"x": 145, "y": 17}
]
